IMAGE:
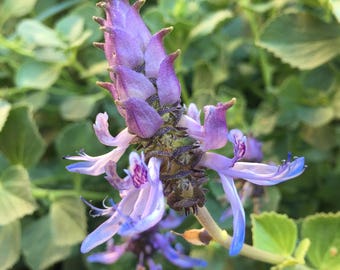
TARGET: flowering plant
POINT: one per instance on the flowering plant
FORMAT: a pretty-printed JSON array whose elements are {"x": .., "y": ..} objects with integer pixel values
[
  {"x": 174, "y": 143},
  {"x": 198, "y": 189}
]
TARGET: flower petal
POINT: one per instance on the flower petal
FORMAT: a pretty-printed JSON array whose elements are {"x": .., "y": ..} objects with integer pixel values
[
  {"x": 169, "y": 89},
  {"x": 174, "y": 256},
  {"x": 239, "y": 220},
  {"x": 193, "y": 127},
  {"x": 132, "y": 84},
  {"x": 128, "y": 50},
  {"x": 253, "y": 150},
  {"x": 193, "y": 112},
  {"x": 94, "y": 165},
  {"x": 109, "y": 256},
  {"x": 136, "y": 25},
  {"x": 215, "y": 126},
  {"x": 155, "y": 53},
  {"x": 267, "y": 175},
  {"x": 239, "y": 141},
  {"x": 171, "y": 221},
  {"x": 113, "y": 178},
  {"x": 101, "y": 128},
  {"x": 215, "y": 161},
  {"x": 111, "y": 226},
  {"x": 149, "y": 207},
  {"x": 141, "y": 118}
]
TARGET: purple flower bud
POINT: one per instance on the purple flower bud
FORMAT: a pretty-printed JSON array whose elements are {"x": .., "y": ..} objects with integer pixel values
[
  {"x": 253, "y": 150},
  {"x": 169, "y": 89},
  {"x": 141, "y": 118}
]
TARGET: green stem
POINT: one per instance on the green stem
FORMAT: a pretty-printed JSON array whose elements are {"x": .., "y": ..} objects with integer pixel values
[
  {"x": 264, "y": 65},
  {"x": 222, "y": 237}
]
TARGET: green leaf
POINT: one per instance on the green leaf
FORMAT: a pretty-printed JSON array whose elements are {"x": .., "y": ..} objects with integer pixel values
[
  {"x": 70, "y": 27},
  {"x": 79, "y": 107},
  {"x": 264, "y": 120},
  {"x": 336, "y": 105},
  {"x": 315, "y": 117},
  {"x": 20, "y": 140},
  {"x": 308, "y": 44},
  {"x": 77, "y": 136},
  {"x": 69, "y": 220},
  {"x": 270, "y": 200},
  {"x": 323, "y": 138},
  {"x": 324, "y": 232},
  {"x": 5, "y": 107},
  {"x": 275, "y": 233},
  {"x": 36, "y": 34},
  {"x": 38, "y": 75},
  {"x": 209, "y": 24},
  {"x": 16, "y": 8},
  {"x": 39, "y": 245},
  {"x": 335, "y": 5},
  {"x": 16, "y": 198},
  {"x": 10, "y": 235}
]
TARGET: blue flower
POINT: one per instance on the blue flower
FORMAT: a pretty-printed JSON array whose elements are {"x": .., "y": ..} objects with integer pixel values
[
  {"x": 148, "y": 243},
  {"x": 229, "y": 169},
  {"x": 141, "y": 207}
]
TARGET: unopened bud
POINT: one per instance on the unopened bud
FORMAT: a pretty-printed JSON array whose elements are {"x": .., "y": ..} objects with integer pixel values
[{"x": 198, "y": 237}]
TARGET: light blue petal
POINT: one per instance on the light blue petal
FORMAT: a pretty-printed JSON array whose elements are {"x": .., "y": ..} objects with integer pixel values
[
  {"x": 110, "y": 256},
  {"x": 264, "y": 174},
  {"x": 175, "y": 256},
  {"x": 239, "y": 222},
  {"x": 102, "y": 234}
]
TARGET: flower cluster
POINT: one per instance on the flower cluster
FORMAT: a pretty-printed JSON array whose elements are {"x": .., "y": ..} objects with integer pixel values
[
  {"x": 144, "y": 245},
  {"x": 176, "y": 147}
]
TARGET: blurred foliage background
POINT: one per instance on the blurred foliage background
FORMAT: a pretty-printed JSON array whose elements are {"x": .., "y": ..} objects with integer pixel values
[{"x": 279, "y": 58}]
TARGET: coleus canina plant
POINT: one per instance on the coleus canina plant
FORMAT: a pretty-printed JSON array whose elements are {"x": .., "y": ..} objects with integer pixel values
[{"x": 175, "y": 148}]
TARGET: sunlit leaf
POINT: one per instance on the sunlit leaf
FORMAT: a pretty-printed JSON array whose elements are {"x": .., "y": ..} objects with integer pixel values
[
  {"x": 335, "y": 5},
  {"x": 70, "y": 27},
  {"x": 78, "y": 107},
  {"x": 16, "y": 199},
  {"x": 208, "y": 25},
  {"x": 5, "y": 107},
  {"x": 315, "y": 117},
  {"x": 39, "y": 245},
  {"x": 35, "y": 34},
  {"x": 10, "y": 235},
  {"x": 323, "y": 230},
  {"x": 69, "y": 220},
  {"x": 275, "y": 233},
  {"x": 77, "y": 136},
  {"x": 20, "y": 140},
  {"x": 16, "y": 8},
  {"x": 308, "y": 44},
  {"x": 264, "y": 121},
  {"x": 38, "y": 75}
]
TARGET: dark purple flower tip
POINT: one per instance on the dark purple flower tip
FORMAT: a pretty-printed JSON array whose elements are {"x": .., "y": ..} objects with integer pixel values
[
  {"x": 155, "y": 53},
  {"x": 239, "y": 141},
  {"x": 169, "y": 89},
  {"x": 138, "y": 170},
  {"x": 141, "y": 118}
]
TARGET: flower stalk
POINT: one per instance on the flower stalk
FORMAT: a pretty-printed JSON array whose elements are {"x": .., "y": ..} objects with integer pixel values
[{"x": 224, "y": 239}]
